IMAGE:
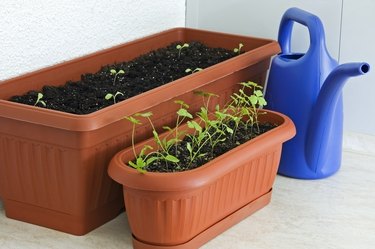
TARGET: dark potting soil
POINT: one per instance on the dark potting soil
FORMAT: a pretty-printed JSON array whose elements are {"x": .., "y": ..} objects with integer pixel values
[
  {"x": 144, "y": 73},
  {"x": 242, "y": 135}
]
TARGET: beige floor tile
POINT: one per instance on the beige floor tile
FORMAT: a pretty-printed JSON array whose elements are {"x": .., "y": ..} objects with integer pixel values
[{"x": 337, "y": 212}]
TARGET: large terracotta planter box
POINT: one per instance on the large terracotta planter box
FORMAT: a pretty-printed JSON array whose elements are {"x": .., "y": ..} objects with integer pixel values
[
  {"x": 53, "y": 164},
  {"x": 183, "y": 210}
]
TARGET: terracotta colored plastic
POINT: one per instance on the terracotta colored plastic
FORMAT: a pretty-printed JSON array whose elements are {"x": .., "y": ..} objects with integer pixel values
[
  {"x": 53, "y": 164},
  {"x": 215, "y": 229},
  {"x": 186, "y": 209}
]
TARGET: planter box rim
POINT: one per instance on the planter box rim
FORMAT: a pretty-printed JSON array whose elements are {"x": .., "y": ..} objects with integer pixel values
[{"x": 195, "y": 178}]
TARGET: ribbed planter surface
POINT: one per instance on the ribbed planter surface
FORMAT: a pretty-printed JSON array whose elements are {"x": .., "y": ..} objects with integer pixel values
[{"x": 171, "y": 209}]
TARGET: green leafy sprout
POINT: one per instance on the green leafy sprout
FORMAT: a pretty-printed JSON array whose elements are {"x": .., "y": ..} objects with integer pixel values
[
  {"x": 179, "y": 47},
  {"x": 40, "y": 100},
  {"x": 211, "y": 128},
  {"x": 116, "y": 73},
  {"x": 238, "y": 50},
  {"x": 189, "y": 70},
  {"x": 244, "y": 104},
  {"x": 142, "y": 160},
  {"x": 109, "y": 96}
]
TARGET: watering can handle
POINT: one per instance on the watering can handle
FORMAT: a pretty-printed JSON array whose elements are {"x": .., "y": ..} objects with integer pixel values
[{"x": 312, "y": 22}]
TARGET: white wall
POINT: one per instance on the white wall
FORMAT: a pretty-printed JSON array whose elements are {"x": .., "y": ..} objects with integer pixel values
[
  {"x": 349, "y": 35},
  {"x": 262, "y": 18},
  {"x": 39, "y": 33},
  {"x": 358, "y": 44}
]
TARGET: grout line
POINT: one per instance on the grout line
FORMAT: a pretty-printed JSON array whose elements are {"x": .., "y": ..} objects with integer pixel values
[
  {"x": 340, "y": 36},
  {"x": 186, "y": 12},
  {"x": 192, "y": 13}
]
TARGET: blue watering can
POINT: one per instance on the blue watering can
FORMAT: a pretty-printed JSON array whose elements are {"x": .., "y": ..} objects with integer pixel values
[{"x": 308, "y": 88}]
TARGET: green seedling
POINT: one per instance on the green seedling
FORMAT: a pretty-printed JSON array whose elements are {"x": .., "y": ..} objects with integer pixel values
[
  {"x": 143, "y": 160},
  {"x": 182, "y": 114},
  {"x": 248, "y": 105},
  {"x": 134, "y": 122},
  {"x": 257, "y": 101},
  {"x": 109, "y": 96},
  {"x": 206, "y": 97},
  {"x": 208, "y": 132},
  {"x": 39, "y": 100},
  {"x": 189, "y": 70},
  {"x": 180, "y": 47},
  {"x": 163, "y": 144},
  {"x": 197, "y": 140},
  {"x": 238, "y": 50},
  {"x": 140, "y": 162},
  {"x": 116, "y": 73}
]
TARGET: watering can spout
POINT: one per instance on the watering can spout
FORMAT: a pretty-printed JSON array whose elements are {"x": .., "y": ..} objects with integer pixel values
[{"x": 321, "y": 123}]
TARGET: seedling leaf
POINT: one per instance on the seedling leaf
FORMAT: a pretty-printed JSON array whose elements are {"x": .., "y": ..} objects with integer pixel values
[
  {"x": 108, "y": 96},
  {"x": 39, "y": 100},
  {"x": 143, "y": 114},
  {"x": 167, "y": 128},
  {"x": 194, "y": 125},
  {"x": 202, "y": 155},
  {"x": 229, "y": 130},
  {"x": 132, "y": 164},
  {"x": 189, "y": 148},
  {"x": 258, "y": 93},
  {"x": 151, "y": 160},
  {"x": 182, "y": 103},
  {"x": 262, "y": 102},
  {"x": 133, "y": 120},
  {"x": 184, "y": 113},
  {"x": 253, "y": 100},
  {"x": 238, "y": 50},
  {"x": 172, "y": 159},
  {"x": 144, "y": 149},
  {"x": 140, "y": 162}
]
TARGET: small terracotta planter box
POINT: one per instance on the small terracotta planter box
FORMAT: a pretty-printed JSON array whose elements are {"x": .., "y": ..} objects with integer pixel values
[
  {"x": 53, "y": 164},
  {"x": 184, "y": 210}
]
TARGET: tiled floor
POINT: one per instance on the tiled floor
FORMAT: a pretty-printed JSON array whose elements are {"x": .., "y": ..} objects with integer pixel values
[{"x": 337, "y": 213}]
